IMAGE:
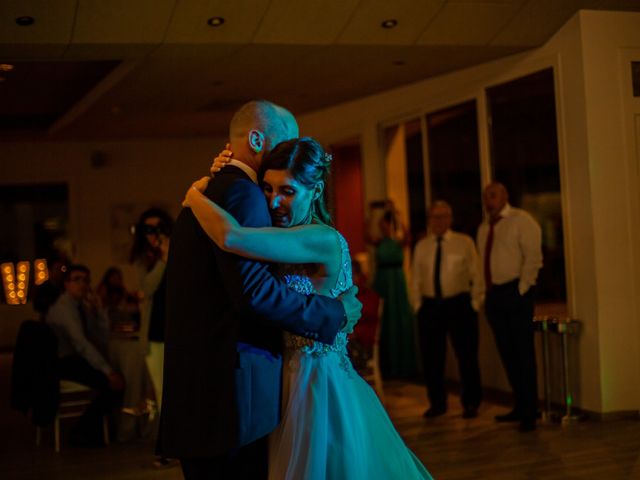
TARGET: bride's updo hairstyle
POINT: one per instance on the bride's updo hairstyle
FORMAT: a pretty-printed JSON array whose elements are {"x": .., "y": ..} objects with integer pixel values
[{"x": 307, "y": 163}]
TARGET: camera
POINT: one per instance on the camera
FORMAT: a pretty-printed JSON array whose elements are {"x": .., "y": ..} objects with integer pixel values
[{"x": 159, "y": 229}]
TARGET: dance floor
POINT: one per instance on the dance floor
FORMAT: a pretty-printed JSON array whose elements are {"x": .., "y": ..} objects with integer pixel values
[{"x": 452, "y": 448}]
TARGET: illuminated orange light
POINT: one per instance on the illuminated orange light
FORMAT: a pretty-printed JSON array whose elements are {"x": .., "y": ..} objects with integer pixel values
[
  {"x": 12, "y": 294},
  {"x": 9, "y": 278},
  {"x": 7, "y": 269},
  {"x": 11, "y": 286},
  {"x": 23, "y": 267},
  {"x": 43, "y": 273}
]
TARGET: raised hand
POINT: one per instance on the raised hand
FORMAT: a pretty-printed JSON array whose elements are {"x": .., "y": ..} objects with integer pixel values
[
  {"x": 221, "y": 160},
  {"x": 352, "y": 307}
]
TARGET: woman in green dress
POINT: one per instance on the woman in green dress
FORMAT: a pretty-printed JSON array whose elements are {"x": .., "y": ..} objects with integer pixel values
[{"x": 397, "y": 337}]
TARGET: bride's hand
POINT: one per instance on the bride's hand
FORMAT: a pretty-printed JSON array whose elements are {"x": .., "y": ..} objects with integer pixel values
[
  {"x": 221, "y": 160},
  {"x": 196, "y": 188}
]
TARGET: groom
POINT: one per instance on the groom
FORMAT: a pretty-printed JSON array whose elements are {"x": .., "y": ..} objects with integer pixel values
[{"x": 225, "y": 316}]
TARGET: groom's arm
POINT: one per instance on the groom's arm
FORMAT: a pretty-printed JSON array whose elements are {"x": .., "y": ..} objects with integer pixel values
[{"x": 257, "y": 292}]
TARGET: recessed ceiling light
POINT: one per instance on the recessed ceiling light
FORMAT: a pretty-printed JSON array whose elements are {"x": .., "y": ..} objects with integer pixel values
[
  {"x": 215, "y": 22},
  {"x": 6, "y": 67},
  {"x": 389, "y": 23},
  {"x": 25, "y": 21}
]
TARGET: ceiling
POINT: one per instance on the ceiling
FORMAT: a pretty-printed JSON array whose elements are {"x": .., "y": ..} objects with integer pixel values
[{"x": 118, "y": 69}]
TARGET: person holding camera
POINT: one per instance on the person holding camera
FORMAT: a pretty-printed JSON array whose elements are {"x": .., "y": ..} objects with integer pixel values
[{"x": 150, "y": 252}]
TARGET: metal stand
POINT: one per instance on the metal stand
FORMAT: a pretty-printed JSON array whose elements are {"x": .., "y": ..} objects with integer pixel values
[
  {"x": 567, "y": 327},
  {"x": 564, "y": 327},
  {"x": 544, "y": 328}
]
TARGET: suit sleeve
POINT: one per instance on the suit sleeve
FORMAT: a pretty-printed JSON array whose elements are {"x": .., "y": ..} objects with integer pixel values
[{"x": 257, "y": 292}]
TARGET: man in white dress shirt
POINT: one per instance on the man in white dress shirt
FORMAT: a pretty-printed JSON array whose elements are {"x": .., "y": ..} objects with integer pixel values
[
  {"x": 447, "y": 292},
  {"x": 509, "y": 242}
]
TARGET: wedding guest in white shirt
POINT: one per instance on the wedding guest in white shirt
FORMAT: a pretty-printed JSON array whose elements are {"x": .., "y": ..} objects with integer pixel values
[
  {"x": 510, "y": 246},
  {"x": 447, "y": 292}
]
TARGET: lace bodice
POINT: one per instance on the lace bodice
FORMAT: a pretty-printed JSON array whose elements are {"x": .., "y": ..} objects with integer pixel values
[{"x": 303, "y": 284}]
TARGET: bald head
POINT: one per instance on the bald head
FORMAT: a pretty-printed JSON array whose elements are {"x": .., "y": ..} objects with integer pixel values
[
  {"x": 262, "y": 125},
  {"x": 495, "y": 197}
]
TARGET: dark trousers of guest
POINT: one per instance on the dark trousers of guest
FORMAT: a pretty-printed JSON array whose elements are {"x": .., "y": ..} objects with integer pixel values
[
  {"x": 247, "y": 463},
  {"x": 77, "y": 369},
  {"x": 454, "y": 317},
  {"x": 511, "y": 318}
]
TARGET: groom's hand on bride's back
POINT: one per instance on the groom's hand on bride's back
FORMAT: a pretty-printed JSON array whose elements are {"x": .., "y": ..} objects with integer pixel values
[{"x": 352, "y": 308}]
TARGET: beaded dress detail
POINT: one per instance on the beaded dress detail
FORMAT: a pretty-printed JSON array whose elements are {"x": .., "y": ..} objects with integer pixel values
[{"x": 302, "y": 284}]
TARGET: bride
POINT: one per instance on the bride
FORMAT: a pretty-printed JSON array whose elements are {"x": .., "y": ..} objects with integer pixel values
[{"x": 333, "y": 425}]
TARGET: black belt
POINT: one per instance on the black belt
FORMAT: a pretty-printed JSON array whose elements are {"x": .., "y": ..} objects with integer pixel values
[
  {"x": 506, "y": 285},
  {"x": 446, "y": 299}
]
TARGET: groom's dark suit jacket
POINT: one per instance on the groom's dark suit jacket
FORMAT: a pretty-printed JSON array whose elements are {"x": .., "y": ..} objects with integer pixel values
[{"x": 223, "y": 342}]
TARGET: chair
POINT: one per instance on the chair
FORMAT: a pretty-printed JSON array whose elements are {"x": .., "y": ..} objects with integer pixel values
[
  {"x": 74, "y": 399},
  {"x": 35, "y": 388},
  {"x": 373, "y": 374}
]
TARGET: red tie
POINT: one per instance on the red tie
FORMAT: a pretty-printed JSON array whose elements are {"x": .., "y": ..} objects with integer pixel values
[{"x": 487, "y": 254}]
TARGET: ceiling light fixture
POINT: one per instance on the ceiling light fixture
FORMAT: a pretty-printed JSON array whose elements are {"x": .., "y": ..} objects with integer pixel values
[
  {"x": 25, "y": 21},
  {"x": 215, "y": 22},
  {"x": 6, "y": 67},
  {"x": 390, "y": 23}
]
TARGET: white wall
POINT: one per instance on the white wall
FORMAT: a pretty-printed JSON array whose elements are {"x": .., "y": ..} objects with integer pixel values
[{"x": 599, "y": 181}]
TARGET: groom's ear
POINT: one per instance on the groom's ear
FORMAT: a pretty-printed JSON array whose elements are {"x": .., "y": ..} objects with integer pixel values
[
  {"x": 256, "y": 140},
  {"x": 318, "y": 189}
]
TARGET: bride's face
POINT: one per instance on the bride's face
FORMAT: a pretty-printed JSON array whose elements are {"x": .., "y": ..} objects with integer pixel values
[{"x": 289, "y": 200}]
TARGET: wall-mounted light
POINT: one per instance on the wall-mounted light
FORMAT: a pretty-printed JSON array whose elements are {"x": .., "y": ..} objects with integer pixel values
[
  {"x": 15, "y": 282},
  {"x": 9, "y": 284},
  {"x": 22, "y": 284},
  {"x": 41, "y": 273}
]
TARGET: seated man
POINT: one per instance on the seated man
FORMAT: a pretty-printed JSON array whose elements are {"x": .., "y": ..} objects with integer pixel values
[{"x": 78, "y": 326}]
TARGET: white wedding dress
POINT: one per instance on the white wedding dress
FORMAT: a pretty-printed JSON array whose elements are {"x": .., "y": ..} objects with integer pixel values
[{"x": 333, "y": 425}]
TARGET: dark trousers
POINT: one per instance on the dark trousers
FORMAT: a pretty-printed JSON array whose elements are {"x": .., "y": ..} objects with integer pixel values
[
  {"x": 77, "y": 369},
  {"x": 247, "y": 463},
  {"x": 454, "y": 317},
  {"x": 511, "y": 318}
]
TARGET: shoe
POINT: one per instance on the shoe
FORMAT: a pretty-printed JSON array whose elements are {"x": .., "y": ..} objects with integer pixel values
[
  {"x": 512, "y": 416},
  {"x": 470, "y": 412},
  {"x": 433, "y": 412},
  {"x": 527, "y": 425}
]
